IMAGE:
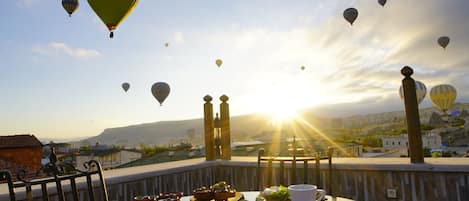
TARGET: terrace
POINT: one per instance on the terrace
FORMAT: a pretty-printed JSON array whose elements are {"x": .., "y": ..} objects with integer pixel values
[
  {"x": 368, "y": 179},
  {"x": 354, "y": 178}
]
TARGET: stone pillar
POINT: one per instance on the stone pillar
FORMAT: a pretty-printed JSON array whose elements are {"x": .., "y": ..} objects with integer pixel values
[
  {"x": 412, "y": 115},
  {"x": 225, "y": 128},
  {"x": 209, "y": 129}
]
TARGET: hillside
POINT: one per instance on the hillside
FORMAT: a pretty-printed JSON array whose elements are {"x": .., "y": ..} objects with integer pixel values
[{"x": 243, "y": 128}]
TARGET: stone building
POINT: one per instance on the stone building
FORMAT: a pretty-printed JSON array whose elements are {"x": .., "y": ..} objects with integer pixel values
[{"x": 401, "y": 142}]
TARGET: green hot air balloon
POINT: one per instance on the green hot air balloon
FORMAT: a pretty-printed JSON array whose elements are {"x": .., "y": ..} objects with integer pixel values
[
  {"x": 70, "y": 6},
  {"x": 113, "y": 12},
  {"x": 160, "y": 91}
]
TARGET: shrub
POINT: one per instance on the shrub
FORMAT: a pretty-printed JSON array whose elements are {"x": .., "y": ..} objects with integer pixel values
[{"x": 436, "y": 154}]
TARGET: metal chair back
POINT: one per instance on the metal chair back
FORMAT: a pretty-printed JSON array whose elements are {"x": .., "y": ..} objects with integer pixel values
[
  {"x": 60, "y": 180},
  {"x": 293, "y": 170}
]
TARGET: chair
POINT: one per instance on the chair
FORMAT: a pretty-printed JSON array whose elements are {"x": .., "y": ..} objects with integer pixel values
[
  {"x": 56, "y": 171},
  {"x": 293, "y": 160}
]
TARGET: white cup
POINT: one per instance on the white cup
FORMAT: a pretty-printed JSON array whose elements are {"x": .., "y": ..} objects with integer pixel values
[{"x": 304, "y": 192}]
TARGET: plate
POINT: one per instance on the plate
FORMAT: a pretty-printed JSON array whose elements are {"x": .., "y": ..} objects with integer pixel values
[{"x": 318, "y": 196}]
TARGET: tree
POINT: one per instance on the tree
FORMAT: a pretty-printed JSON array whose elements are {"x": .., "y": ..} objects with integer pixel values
[
  {"x": 85, "y": 148},
  {"x": 371, "y": 141}
]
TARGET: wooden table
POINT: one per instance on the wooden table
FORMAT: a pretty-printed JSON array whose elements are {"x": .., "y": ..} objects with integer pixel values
[{"x": 251, "y": 196}]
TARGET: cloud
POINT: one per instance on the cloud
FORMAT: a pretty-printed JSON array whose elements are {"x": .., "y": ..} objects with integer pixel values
[
  {"x": 358, "y": 62},
  {"x": 178, "y": 37},
  {"x": 26, "y": 3},
  {"x": 57, "y": 48}
]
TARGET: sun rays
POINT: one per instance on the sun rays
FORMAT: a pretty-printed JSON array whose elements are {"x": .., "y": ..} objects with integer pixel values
[{"x": 310, "y": 134}]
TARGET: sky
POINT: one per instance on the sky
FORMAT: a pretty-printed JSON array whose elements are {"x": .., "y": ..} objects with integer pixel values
[{"x": 61, "y": 77}]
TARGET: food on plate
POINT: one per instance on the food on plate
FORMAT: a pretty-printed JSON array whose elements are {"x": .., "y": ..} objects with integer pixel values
[
  {"x": 218, "y": 191},
  {"x": 144, "y": 198},
  {"x": 222, "y": 191},
  {"x": 170, "y": 196},
  {"x": 275, "y": 193},
  {"x": 203, "y": 193}
]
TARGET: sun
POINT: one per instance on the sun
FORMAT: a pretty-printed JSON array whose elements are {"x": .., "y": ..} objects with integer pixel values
[
  {"x": 279, "y": 112},
  {"x": 283, "y": 98},
  {"x": 281, "y": 115}
]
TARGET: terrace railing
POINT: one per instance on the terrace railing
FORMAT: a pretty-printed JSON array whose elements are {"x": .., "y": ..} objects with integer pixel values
[{"x": 367, "y": 179}]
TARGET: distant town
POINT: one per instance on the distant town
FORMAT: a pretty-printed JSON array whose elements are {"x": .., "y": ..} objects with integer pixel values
[{"x": 373, "y": 135}]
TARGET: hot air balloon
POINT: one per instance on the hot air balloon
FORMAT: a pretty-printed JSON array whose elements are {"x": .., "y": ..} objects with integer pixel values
[
  {"x": 302, "y": 67},
  {"x": 443, "y": 96},
  {"x": 125, "y": 86},
  {"x": 70, "y": 6},
  {"x": 219, "y": 62},
  {"x": 350, "y": 14},
  {"x": 443, "y": 41},
  {"x": 420, "y": 89},
  {"x": 113, "y": 12},
  {"x": 160, "y": 91},
  {"x": 382, "y": 2}
]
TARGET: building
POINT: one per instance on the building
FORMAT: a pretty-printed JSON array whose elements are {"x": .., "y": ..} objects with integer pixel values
[
  {"x": 60, "y": 148},
  {"x": 401, "y": 142},
  {"x": 20, "y": 152},
  {"x": 109, "y": 158}
]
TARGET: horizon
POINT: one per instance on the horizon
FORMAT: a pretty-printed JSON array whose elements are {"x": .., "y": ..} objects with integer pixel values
[
  {"x": 350, "y": 114},
  {"x": 61, "y": 76}
]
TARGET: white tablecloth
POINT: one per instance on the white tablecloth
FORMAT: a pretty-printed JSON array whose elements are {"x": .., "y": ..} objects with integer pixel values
[{"x": 251, "y": 196}]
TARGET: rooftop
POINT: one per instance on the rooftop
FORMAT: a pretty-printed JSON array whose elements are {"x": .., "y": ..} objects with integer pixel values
[{"x": 19, "y": 141}]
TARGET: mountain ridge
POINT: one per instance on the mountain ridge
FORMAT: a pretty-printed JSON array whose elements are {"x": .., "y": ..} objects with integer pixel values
[{"x": 243, "y": 127}]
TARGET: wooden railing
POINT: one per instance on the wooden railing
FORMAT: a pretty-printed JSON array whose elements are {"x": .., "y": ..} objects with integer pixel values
[{"x": 366, "y": 179}]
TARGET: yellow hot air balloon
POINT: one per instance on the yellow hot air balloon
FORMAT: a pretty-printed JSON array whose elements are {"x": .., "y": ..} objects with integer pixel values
[
  {"x": 219, "y": 62},
  {"x": 112, "y": 12},
  {"x": 70, "y": 6},
  {"x": 443, "y": 96}
]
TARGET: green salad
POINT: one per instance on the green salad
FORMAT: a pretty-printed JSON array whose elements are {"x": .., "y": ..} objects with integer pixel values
[{"x": 276, "y": 193}]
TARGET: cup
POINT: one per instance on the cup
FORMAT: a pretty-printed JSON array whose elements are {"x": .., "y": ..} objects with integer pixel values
[{"x": 305, "y": 192}]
